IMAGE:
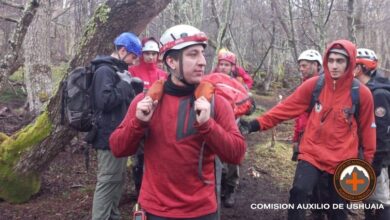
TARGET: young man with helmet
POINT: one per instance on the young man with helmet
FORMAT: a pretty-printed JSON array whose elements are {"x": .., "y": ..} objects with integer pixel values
[
  {"x": 181, "y": 136},
  {"x": 366, "y": 72},
  {"x": 310, "y": 63},
  {"x": 227, "y": 63},
  {"x": 148, "y": 72},
  {"x": 111, "y": 94},
  {"x": 332, "y": 132}
]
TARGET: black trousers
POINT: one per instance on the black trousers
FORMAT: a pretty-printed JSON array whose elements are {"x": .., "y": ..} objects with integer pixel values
[
  {"x": 306, "y": 178},
  {"x": 212, "y": 216}
]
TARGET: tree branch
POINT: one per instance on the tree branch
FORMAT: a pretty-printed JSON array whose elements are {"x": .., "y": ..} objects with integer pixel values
[
  {"x": 8, "y": 19},
  {"x": 9, "y": 63},
  {"x": 13, "y": 5}
]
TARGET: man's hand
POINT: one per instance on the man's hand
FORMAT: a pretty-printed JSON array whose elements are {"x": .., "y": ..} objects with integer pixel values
[
  {"x": 145, "y": 109},
  {"x": 202, "y": 109}
]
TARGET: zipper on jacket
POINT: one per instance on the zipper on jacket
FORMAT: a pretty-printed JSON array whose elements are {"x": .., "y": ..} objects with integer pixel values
[{"x": 334, "y": 85}]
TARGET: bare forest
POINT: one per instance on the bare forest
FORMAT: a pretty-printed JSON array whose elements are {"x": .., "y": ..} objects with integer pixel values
[{"x": 42, "y": 172}]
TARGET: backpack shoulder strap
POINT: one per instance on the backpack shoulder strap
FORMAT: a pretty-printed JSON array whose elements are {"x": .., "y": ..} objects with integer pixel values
[
  {"x": 316, "y": 92},
  {"x": 355, "y": 96}
]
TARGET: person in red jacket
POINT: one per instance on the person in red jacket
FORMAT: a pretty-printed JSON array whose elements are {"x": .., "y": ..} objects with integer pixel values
[
  {"x": 148, "y": 72},
  {"x": 227, "y": 63},
  {"x": 331, "y": 134},
  {"x": 310, "y": 63},
  {"x": 181, "y": 138},
  {"x": 147, "y": 69},
  {"x": 231, "y": 173}
]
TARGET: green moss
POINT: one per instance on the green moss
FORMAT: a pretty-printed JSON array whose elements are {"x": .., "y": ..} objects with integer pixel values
[
  {"x": 16, "y": 188},
  {"x": 3, "y": 137},
  {"x": 43, "y": 97},
  {"x": 18, "y": 75},
  {"x": 102, "y": 12},
  {"x": 101, "y": 15},
  {"x": 58, "y": 73}
]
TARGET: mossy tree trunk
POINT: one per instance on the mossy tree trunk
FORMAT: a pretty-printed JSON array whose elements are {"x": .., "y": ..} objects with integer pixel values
[{"x": 25, "y": 154}]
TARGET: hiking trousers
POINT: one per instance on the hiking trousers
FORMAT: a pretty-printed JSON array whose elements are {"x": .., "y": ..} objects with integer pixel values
[
  {"x": 111, "y": 175},
  {"x": 305, "y": 179},
  {"x": 230, "y": 176}
]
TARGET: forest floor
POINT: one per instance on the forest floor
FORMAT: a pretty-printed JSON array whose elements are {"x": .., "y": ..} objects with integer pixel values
[{"x": 67, "y": 187}]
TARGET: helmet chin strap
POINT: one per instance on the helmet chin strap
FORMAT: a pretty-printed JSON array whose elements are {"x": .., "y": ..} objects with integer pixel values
[{"x": 181, "y": 71}]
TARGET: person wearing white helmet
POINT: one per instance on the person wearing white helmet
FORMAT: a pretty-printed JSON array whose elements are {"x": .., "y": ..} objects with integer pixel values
[
  {"x": 148, "y": 72},
  {"x": 181, "y": 136},
  {"x": 367, "y": 73},
  {"x": 310, "y": 63}
]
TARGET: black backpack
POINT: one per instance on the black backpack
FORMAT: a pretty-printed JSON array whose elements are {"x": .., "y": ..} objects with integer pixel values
[{"x": 77, "y": 106}]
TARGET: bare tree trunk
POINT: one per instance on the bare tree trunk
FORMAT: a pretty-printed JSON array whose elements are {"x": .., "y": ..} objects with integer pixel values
[
  {"x": 222, "y": 24},
  {"x": 29, "y": 151},
  {"x": 291, "y": 39},
  {"x": 37, "y": 47},
  {"x": 11, "y": 61},
  {"x": 351, "y": 22}
]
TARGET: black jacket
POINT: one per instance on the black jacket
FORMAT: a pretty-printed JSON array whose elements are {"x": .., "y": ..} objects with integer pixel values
[
  {"x": 380, "y": 88},
  {"x": 111, "y": 98}
]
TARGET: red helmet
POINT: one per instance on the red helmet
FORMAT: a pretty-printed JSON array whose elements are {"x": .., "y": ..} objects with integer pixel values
[
  {"x": 225, "y": 54},
  {"x": 367, "y": 58}
]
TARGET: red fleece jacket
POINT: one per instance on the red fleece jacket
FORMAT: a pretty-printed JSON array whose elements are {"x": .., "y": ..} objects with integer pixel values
[
  {"x": 147, "y": 72},
  {"x": 171, "y": 185},
  {"x": 329, "y": 137}
]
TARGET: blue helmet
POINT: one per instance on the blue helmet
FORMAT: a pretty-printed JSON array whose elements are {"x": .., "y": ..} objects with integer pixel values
[{"x": 130, "y": 41}]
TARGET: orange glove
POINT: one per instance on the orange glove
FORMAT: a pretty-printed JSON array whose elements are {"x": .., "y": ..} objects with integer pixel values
[
  {"x": 205, "y": 89},
  {"x": 156, "y": 90}
]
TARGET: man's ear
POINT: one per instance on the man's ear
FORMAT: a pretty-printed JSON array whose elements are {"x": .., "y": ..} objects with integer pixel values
[{"x": 170, "y": 62}]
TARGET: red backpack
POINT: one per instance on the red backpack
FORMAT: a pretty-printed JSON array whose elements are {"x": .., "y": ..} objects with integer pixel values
[
  {"x": 231, "y": 89},
  {"x": 215, "y": 83}
]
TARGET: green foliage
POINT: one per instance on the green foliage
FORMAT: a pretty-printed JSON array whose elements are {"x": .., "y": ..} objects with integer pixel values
[
  {"x": 7, "y": 94},
  {"x": 16, "y": 188}
]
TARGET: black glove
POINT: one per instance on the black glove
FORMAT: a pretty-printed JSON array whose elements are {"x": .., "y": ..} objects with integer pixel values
[
  {"x": 295, "y": 151},
  {"x": 248, "y": 127},
  {"x": 137, "y": 84}
]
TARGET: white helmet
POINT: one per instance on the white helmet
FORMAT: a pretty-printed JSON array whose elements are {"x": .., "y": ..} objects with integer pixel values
[
  {"x": 181, "y": 36},
  {"x": 151, "y": 45},
  {"x": 366, "y": 53},
  {"x": 311, "y": 55}
]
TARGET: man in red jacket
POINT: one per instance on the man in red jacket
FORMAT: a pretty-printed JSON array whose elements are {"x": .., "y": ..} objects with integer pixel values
[
  {"x": 147, "y": 69},
  {"x": 309, "y": 62},
  {"x": 181, "y": 138},
  {"x": 331, "y": 134},
  {"x": 148, "y": 72},
  {"x": 227, "y": 64}
]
